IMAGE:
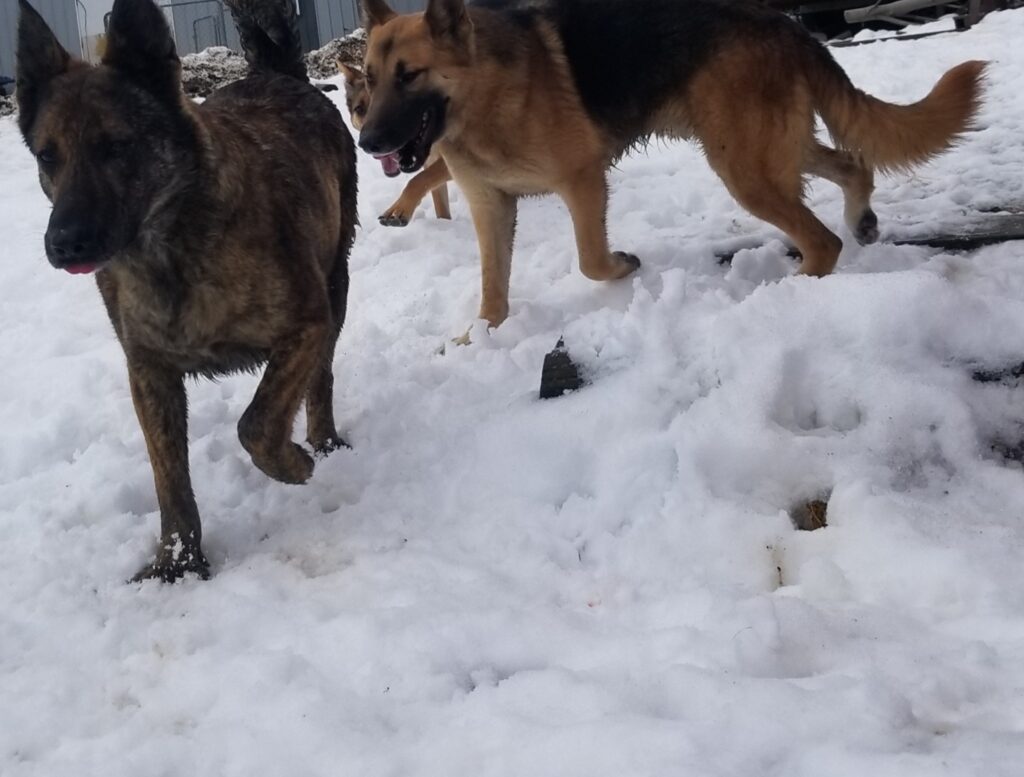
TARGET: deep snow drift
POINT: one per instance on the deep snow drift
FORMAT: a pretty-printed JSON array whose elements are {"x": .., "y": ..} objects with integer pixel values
[{"x": 603, "y": 584}]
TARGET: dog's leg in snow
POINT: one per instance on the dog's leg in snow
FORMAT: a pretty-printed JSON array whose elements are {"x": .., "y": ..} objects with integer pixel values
[
  {"x": 321, "y": 432},
  {"x": 158, "y": 393},
  {"x": 265, "y": 428},
  {"x": 494, "y": 217},
  {"x": 586, "y": 196},
  {"x": 442, "y": 208},
  {"x": 857, "y": 183},
  {"x": 434, "y": 175}
]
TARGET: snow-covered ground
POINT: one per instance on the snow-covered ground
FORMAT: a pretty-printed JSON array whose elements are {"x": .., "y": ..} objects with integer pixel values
[{"x": 603, "y": 584}]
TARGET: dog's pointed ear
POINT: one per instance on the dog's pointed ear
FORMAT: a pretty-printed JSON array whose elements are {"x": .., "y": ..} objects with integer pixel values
[
  {"x": 353, "y": 75},
  {"x": 448, "y": 20},
  {"x": 140, "y": 45},
  {"x": 40, "y": 59},
  {"x": 375, "y": 13}
]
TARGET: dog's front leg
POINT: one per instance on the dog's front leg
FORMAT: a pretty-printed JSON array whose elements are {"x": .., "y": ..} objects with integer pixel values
[
  {"x": 586, "y": 196},
  {"x": 158, "y": 393},
  {"x": 437, "y": 177},
  {"x": 442, "y": 205},
  {"x": 494, "y": 217},
  {"x": 265, "y": 428},
  {"x": 432, "y": 178}
]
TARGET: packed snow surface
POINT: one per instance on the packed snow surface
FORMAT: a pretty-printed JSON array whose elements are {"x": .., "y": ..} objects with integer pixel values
[{"x": 605, "y": 584}]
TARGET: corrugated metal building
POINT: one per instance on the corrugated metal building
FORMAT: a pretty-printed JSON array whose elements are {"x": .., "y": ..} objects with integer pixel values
[
  {"x": 199, "y": 24},
  {"x": 62, "y": 16}
]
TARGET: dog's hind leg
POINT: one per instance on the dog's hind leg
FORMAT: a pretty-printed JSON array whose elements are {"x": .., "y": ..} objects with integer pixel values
[
  {"x": 158, "y": 393},
  {"x": 586, "y": 196},
  {"x": 781, "y": 205},
  {"x": 857, "y": 183},
  {"x": 756, "y": 145}
]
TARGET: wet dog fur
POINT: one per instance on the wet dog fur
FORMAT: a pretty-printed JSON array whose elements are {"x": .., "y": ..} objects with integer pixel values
[
  {"x": 219, "y": 233},
  {"x": 433, "y": 178},
  {"x": 539, "y": 96}
]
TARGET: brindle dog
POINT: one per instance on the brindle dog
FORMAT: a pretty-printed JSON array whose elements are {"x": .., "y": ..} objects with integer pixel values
[{"x": 218, "y": 233}]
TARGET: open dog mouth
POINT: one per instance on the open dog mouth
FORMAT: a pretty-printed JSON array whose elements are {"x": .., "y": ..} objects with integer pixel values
[
  {"x": 85, "y": 268},
  {"x": 84, "y": 263},
  {"x": 411, "y": 157}
]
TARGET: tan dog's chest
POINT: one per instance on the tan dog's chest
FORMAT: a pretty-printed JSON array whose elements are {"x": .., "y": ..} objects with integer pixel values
[
  {"x": 474, "y": 166},
  {"x": 535, "y": 158}
]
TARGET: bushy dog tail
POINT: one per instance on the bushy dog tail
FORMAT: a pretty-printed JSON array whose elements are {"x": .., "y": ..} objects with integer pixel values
[
  {"x": 896, "y": 137},
  {"x": 269, "y": 32}
]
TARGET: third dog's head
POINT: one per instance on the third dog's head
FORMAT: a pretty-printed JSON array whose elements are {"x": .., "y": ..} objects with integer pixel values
[
  {"x": 114, "y": 143},
  {"x": 357, "y": 98},
  {"x": 413, "y": 65}
]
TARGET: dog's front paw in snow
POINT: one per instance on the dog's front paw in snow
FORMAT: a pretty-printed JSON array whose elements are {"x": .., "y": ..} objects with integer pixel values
[
  {"x": 173, "y": 561},
  {"x": 398, "y": 215}
]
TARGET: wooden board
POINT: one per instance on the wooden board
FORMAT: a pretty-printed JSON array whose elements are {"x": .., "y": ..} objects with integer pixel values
[{"x": 1000, "y": 226}]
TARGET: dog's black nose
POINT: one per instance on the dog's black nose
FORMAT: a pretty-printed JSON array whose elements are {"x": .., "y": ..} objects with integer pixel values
[
  {"x": 372, "y": 142},
  {"x": 71, "y": 245}
]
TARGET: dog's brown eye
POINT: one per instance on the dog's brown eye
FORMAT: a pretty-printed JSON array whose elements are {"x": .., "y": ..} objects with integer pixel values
[
  {"x": 408, "y": 76},
  {"x": 359, "y": 110},
  {"x": 47, "y": 156}
]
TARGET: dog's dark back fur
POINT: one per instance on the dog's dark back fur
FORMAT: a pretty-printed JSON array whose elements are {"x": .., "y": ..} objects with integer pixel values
[
  {"x": 220, "y": 231},
  {"x": 628, "y": 58},
  {"x": 626, "y": 65}
]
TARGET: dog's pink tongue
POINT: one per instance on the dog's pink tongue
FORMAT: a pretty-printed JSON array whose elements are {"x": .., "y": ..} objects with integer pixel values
[
  {"x": 390, "y": 164},
  {"x": 81, "y": 269}
]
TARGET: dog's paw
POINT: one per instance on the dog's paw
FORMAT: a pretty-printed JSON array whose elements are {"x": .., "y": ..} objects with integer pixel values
[
  {"x": 324, "y": 448},
  {"x": 623, "y": 264},
  {"x": 631, "y": 260},
  {"x": 866, "y": 231},
  {"x": 174, "y": 561},
  {"x": 291, "y": 464},
  {"x": 394, "y": 218},
  {"x": 462, "y": 339}
]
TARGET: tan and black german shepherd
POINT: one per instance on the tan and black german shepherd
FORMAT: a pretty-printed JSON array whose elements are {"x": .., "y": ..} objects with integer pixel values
[
  {"x": 433, "y": 178},
  {"x": 218, "y": 233},
  {"x": 543, "y": 95}
]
